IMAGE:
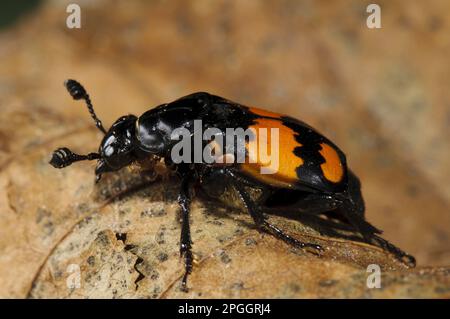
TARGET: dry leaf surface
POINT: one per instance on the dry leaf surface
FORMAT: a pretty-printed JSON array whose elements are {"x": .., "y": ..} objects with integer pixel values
[{"x": 123, "y": 233}]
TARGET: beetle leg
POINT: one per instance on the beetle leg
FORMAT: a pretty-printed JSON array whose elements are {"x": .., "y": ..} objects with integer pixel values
[
  {"x": 398, "y": 253},
  {"x": 370, "y": 233},
  {"x": 184, "y": 200},
  {"x": 312, "y": 204},
  {"x": 263, "y": 224}
]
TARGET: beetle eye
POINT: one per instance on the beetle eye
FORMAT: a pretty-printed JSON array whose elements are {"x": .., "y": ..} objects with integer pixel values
[{"x": 109, "y": 150}]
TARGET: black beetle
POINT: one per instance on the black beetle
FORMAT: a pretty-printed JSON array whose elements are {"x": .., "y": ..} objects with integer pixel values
[{"x": 312, "y": 177}]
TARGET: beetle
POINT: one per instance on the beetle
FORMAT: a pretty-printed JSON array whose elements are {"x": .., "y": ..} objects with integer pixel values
[{"x": 313, "y": 176}]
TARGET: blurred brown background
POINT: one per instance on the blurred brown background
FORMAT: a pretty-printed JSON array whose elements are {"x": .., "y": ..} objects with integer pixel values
[{"x": 380, "y": 94}]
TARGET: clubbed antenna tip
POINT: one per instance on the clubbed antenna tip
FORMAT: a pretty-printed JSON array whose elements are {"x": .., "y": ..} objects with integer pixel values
[
  {"x": 78, "y": 92},
  {"x": 75, "y": 89},
  {"x": 63, "y": 157}
]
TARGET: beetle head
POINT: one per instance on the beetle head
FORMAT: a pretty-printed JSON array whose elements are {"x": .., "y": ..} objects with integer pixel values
[{"x": 117, "y": 148}]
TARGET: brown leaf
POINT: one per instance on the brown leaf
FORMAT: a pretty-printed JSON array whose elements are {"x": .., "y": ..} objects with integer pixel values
[
  {"x": 385, "y": 108},
  {"x": 122, "y": 235}
]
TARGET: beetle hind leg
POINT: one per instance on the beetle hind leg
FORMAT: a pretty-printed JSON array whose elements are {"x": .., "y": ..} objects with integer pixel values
[
  {"x": 353, "y": 209},
  {"x": 398, "y": 253},
  {"x": 371, "y": 234}
]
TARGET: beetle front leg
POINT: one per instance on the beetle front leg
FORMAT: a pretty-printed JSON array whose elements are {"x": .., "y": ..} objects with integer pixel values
[{"x": 184, "y": 200}]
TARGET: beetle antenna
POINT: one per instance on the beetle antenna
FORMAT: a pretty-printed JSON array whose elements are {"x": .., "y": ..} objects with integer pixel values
[
  {"x": 63, "y": 157},
  {"x": 78, "y": 92}
]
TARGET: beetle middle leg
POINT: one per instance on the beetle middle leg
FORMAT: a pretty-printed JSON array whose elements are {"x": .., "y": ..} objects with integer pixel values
[{"x": 262, "y": 223}]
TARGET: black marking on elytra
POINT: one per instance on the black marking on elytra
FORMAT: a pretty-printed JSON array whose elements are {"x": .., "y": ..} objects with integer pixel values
[{"x": 309, "y": 151}]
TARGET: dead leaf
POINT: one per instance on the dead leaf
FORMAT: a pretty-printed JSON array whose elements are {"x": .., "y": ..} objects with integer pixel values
[{"x": 122, "y": 235}]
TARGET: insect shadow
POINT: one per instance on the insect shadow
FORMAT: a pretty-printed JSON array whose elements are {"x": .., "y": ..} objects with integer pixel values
[{"x": 124, "y": 185}]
